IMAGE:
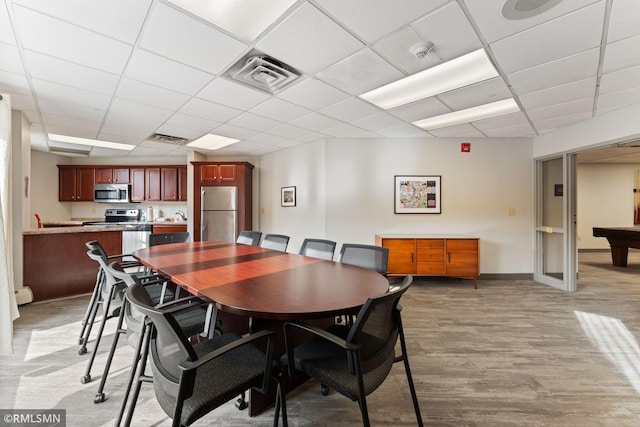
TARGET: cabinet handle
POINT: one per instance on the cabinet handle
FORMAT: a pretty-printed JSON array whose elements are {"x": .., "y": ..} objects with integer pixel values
[
  {"x": 448, "y": 256},
  {"x": 411, "y": 256}
]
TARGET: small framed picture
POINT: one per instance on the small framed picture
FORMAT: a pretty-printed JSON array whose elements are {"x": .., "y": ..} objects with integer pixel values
[
  {"x": 288, "y": 196},
  {"x": 417, "y": 194}
]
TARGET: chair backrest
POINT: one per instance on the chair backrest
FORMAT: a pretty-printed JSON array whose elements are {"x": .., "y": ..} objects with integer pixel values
[
  {"x": 248, "y": 237},
  {"x": 95, "y": 245},
  {"x": 367, "y": 256},
  {"x": 318, "y": 248},
  {"x": 109, "y": 282},
  {"x": 376, "y": 327},
  {"x": 167, "y": 238},
  {"x": 277, "y": 242}
]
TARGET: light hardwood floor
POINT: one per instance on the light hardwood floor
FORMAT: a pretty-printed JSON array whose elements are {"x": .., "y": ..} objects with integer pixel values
[{"x": 511, "y": 353}]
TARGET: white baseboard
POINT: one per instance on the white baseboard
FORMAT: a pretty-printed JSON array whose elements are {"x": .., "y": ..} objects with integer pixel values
[{"x": 24, "y": 295}]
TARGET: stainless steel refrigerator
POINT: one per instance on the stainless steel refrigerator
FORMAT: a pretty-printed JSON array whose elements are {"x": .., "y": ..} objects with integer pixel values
[{"x": 219, "y": 213}]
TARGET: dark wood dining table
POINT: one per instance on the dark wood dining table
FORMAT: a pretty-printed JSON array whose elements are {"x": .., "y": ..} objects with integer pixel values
[{"x": 264, "y": 287}]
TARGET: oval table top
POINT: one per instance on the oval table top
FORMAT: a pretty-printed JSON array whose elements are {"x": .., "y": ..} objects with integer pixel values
[{"x": 263, "y": 283}]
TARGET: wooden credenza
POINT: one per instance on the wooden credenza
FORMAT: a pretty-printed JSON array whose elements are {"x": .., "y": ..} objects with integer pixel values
[{"x": 423, "y": 255}]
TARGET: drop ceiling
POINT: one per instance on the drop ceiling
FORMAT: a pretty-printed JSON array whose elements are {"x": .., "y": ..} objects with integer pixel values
[{"x": 122, "y": 70}]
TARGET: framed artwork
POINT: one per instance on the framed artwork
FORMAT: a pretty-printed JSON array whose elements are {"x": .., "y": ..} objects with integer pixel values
[
  {"x": 417, "y": 194},
  {"x": 288, "y": 196}
]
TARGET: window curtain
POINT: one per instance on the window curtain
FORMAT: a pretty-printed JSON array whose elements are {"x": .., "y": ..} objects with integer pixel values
[{"x": 8, "y": 306}]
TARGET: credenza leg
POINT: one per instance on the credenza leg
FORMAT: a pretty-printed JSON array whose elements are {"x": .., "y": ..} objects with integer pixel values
[{"x": 619, "y": 255}]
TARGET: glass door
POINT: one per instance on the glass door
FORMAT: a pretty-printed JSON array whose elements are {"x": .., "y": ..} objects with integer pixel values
[{"x": 555, "y": 241}]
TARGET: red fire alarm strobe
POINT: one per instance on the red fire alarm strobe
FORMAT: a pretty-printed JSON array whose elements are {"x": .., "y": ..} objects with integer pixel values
[{"x": 465, "y": 147}]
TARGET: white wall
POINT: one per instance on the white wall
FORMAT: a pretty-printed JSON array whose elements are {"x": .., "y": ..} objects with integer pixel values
[
  {"x": 605, "y": 199},
  {"x": 44, "y": 188},
  {"x": 477, "y": 189}
]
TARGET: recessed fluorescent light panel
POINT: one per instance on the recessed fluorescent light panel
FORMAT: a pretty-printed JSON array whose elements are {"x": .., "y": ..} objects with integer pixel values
[
  {"x": 481, "y": 112},
  {"x": 465, "y": 70},
  {"x": 244, "y": 18},
  {"x": 91, "y": 142},
  {"x": 212, "y": 142}
]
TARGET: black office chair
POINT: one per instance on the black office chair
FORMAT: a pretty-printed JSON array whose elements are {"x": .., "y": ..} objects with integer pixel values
[
  {"x": 318, "y": 248},
  {"x": 277, "y": 242},
  {"x": 192, "y": 380},
  {"x": 247, "y": 237},
  {"x": 354, "y": 360},
  {"x": 167, "y": 238},
  {"x": 367, "y": 256}
]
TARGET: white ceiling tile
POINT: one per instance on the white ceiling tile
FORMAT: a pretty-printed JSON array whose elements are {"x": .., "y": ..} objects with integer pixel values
[
  {"x": 118, "y": 138},
  {"x": 69, "y": 122},
  {"x": 523, "y": 130},
  {"x": 571, "y": 68},
  {"x": 22, "y": 102},
  {"x": 136, "y": 112},
  {"x": 14, "y": 83},
  {"x": 625, "y": 15},
  {"x": 209, "y": 110},
  {"x": 620, "y": 80},
  {"x": 107, "y": 152},
  {"x": 159, "y": 71},
  {"x": 157, "y": 145},
  {"x": 233, "y": 131},
  {"x": 120, "y": 19},
  {"x": 192, "y": 122},
  {"x": 124, "y": 126},
  {"x": 559, "y": 94},
  {"x": 6, "y": 35},
  {"x": 372, "y": 19},
  {"x": 396, "y": 49},
  {"x": 350, "y": 109},
  {"x": 254, "y": 122},
  {"x": 619, "y": 99},
  {"x": 308, "y": 40},
  {"x": 509, "y": 120},
  {"x": 476, "y": 94},
  {"x": 403, "y": 130},
  {"x": 311, "y": 136},
  {"x": 71, "y": 110},
  {"x": 552, "y": 40},
  {"x": 184, "y": 39},
  {"x": 288, "y": 131},
  {"x": 143, "y": 93},
  {"x": 268, "y": 139},
  {"x": 464, "y": 130},
  {"x": 10, "y": 59},
  {"x": 79, "y": 133},
  {"x": 552, "y": 123},
  {"x": 278, "y": 109},
  {"x": 343, "y": 131},
  {"x": 581, "y": 106},
  {"x": 232, "y": 94},
  {"x": 313, "y": 94},
  {"x": 422, "y": 109},
  {"x": 72, "y": 43},
  {"x": 621, "y": 54},
  {"x": 361, "y": 72},
  {"x": 316, "y": 122},
  {"x": 61, "y": 93},
  {"x": 377, "y": 121},
  {"x": 438, "y": 26},
  {"x": 493, "y": 26},
  {"x": 67, "y": 73}
]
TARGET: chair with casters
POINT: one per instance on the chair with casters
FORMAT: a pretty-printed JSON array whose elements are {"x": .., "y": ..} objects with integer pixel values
[
  {"x": 248, "y": 237},
  {"x": 318, "y": 248},
  {"x": 95, "y": 300},
  {"x": 191, "y": 380},
  {"x": 192, "y": 322},
  {"x": 355, "y": 360},
  {"x": 277, "y": 242},
  {"x": 167, "y": 238}
]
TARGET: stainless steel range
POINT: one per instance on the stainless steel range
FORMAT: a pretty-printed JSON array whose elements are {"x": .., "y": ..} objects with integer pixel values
[{"x": 135, "y": 234}]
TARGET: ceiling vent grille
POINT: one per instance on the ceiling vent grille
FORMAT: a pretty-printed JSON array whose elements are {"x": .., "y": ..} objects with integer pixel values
[
  {"x": 168, "y": 139},
  {"x": 263, "y": 72}
]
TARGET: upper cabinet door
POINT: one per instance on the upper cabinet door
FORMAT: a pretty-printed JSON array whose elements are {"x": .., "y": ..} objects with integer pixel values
[
  {"x": 121, "y": 175},
  {"x": 153, "y": 183},
  {"x": 138, "y": 187},
  {"x": 169, "y": 183},
  {"x": 104, "y": 175}
]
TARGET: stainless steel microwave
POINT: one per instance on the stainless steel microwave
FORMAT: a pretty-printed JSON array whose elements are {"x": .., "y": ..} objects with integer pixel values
[{"x": 111, "y": 193}]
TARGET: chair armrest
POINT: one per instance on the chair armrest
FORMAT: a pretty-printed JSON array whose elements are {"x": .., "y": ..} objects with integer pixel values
[
  {"x": 190, "y": 366},
  {"x": 181, "y": 304}
]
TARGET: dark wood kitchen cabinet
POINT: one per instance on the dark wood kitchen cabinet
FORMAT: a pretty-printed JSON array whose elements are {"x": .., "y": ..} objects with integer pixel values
[
  {"x": 138, "y": 187},
  {"x": 112, "y": 175},
  {"x": 75, "y": 183},
  {"x": 235, "y": 174},
  {"x": 153, "y": 177},
  {"x": 169, "y": 184}
]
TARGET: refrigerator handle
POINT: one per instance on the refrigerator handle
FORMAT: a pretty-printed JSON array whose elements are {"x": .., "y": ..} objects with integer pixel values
[{"x": 203, "y": 227}]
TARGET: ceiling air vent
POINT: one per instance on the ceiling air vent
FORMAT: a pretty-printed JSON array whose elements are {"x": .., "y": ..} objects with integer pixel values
[
  {"x": 263, "y": 72},
  {"x": 168, "y": 139}
]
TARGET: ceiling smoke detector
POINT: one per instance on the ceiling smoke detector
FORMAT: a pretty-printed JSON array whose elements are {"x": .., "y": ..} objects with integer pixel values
[
  {"x": 421, "y": 49},
  {"x": 262, "y": 72}
]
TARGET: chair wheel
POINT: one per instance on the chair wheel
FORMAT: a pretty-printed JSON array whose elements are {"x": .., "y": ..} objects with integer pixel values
[
  {"x": 85, "y": 379},
  {"x": 241, "y": 404},
  {"x": 82, "y": 350},
  {"x": 324, "y": 390},
  {"x": 99, "y": 398}
]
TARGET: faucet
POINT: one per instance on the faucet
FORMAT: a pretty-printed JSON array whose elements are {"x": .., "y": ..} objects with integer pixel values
[{"x": 180, "y": 213}]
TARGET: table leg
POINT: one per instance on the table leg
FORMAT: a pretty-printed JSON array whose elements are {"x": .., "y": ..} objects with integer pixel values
[{"x": 619, "y": 255}]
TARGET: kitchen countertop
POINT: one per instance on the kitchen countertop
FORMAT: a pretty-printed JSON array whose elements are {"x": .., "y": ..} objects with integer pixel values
[{"x": 58, "y": 227}]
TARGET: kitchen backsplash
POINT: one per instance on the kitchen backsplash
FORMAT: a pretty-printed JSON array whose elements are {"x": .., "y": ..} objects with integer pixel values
[{"x": 96, "y": 210}]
